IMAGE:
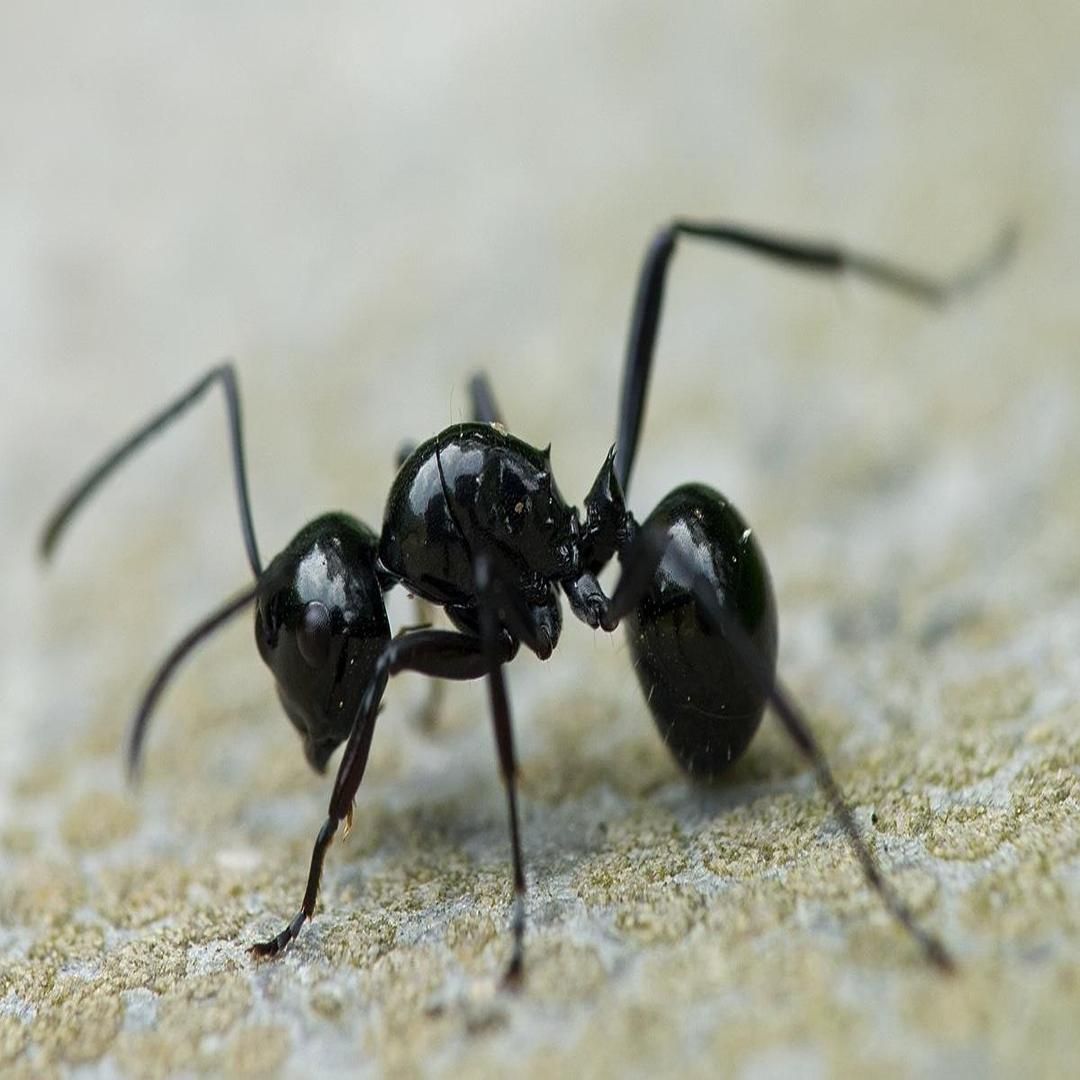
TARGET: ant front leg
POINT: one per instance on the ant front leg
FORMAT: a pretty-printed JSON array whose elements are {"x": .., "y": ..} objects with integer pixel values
[
  {"x": 426, "y": 717},
  {"x": 703, "y": 634},
  {"x": 440, "y": 654},
  {"x": 485, "y": 409}
]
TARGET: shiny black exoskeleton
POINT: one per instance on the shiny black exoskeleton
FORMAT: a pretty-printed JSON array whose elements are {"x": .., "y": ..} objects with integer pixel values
[
  {"x": 705, "y": 702},
  {"x": 475, "y": 487},
  {"x": 321, "y": 626},
  {"x": 475, "y": 524}
]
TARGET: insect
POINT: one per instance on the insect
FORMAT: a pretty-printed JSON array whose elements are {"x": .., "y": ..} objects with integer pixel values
[{"x": 475, "y": 524}]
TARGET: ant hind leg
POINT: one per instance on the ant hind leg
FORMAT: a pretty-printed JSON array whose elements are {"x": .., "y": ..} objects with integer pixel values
[
  {"x": 640, "y": 567},
  {"x": 821, "y": 257}
]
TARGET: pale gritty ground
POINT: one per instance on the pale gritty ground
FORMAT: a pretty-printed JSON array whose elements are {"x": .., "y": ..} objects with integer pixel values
[{"x": 364, "y": 209}]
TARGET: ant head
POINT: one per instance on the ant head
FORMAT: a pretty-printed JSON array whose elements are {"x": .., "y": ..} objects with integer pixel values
[{"x": 320, "y": 625}]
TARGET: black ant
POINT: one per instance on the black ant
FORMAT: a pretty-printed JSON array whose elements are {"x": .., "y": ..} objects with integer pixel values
[{"x": 475, "y": 524}]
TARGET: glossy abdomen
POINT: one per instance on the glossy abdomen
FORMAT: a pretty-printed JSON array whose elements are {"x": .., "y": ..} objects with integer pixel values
[{"x": 705, "y": 704}]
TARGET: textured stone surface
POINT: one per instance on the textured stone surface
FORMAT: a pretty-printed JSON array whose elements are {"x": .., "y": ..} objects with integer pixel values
[{"x": 364, "y": 209}]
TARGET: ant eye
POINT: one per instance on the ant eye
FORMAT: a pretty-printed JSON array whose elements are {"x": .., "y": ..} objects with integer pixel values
[{"x": 313, "y": 634}]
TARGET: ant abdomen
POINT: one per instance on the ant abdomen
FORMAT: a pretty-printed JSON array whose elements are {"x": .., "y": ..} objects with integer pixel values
[{"x": 705, "y": 703}]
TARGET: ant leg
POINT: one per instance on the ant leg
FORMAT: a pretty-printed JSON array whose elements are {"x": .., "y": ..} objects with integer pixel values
[
  {"x": 485, "y": 409},
  {"x": 427, "y": 715},
  {"x": 809, "y": 255},
  {"x": 169, "y": 665},
  {"x": 226, "y": 375},
  {"x": 442, "y": 654},
  {"x": 640, "y": 565},
  {"x": 490, "y": 634},
  {"x": 404, "y": 452}
]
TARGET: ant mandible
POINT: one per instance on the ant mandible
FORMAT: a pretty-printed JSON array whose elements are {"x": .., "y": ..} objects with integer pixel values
[{"x": 475, "y": 524}]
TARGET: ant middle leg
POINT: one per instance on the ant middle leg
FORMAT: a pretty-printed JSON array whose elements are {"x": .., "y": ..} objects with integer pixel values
[
  {"x": 502, "y": 611},
  {"x": 489, "y": 593},
  {"x": 485, "y": 409}
]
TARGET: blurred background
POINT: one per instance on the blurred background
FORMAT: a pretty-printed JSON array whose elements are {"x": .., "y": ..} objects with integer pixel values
[{"x": 364, "y": 204}]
